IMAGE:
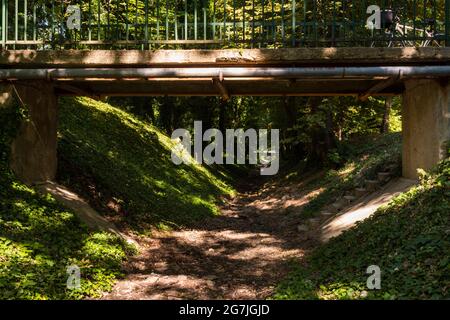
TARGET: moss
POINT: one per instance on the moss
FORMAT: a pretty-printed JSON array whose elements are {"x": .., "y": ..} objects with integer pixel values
[
  {"x": 130, "y": 161},
  {"x": 39, "y": 238}
]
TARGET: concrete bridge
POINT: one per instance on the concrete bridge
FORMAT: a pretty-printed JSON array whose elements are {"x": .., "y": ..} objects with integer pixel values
[{"x": 37, "y": 78}]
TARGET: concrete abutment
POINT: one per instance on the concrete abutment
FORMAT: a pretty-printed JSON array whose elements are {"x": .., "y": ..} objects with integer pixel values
[
  {"x": 33, "y": 155},
  {"x": 426, "y": 125}
]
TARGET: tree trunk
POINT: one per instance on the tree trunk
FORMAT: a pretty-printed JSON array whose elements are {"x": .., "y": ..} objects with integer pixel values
[
  {"x": 330, "y": 140},
  {"x": 290, "y": 116},
  {"x": 222, "y": 115},
  {"x": 387, "y": 111},
  {"x": 166, "y": 113},
  {"x": 316, "y": 150}
]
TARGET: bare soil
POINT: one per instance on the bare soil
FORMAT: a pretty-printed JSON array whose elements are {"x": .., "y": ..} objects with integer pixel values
[{"x": 241, "y": 254}]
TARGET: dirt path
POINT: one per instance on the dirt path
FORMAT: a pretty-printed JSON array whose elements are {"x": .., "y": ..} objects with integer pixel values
[{"x": 242, "y": 254}]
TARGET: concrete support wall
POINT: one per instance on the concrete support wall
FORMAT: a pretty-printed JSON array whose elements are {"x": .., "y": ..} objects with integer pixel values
[
  {"x": 426, "y": 125},
  {"x": 33, "y": 152}
]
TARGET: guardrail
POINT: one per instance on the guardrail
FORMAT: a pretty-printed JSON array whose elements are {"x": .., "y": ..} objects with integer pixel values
[{"x": 152, "y": 24}]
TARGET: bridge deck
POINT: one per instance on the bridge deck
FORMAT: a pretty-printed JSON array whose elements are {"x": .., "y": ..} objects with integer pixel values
[{"x": 249, "y": 58}]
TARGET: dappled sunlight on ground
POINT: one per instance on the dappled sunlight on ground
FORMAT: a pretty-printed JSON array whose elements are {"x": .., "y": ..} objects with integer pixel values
[{"x": 239, "y": 255}]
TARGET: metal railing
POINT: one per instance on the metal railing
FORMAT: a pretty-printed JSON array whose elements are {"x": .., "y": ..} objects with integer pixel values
[{"x": 153, "y": 24}]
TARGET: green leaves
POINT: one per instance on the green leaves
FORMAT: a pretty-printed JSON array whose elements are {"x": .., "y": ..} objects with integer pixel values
[
  {"x": 39, "y": 239},
  {"x": 125, "y": 158},
  {"x": 409, "y": 239}
]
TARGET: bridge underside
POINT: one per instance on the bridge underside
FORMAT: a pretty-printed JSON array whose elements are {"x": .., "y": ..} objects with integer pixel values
[
  {"x": 227, "y": 88},
  {"x": 200, "y": 60},
  {"x": 420, "y": 74}
]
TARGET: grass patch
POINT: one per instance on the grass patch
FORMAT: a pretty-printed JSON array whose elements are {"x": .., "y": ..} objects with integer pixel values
[
  {"x": 409, "y": 239},
  {"x": 126, "y": 169},
  {"x": 39, "y": 239}
]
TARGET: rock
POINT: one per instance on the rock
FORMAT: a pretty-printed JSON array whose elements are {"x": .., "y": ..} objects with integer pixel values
[
  {"x": 384, "y": 176},
  {"x": 313, "y": 221},
  {"x": 359, "y": 192},
  {"x": 350, "y": 198},
  {"x": 337, "y": 206},
  {"x": 392, "y": 167},
  {"x": 372, "y": 184}
]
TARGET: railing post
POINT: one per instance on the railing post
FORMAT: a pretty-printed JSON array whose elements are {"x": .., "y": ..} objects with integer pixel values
[
  {"x": 294, "y": 24},
  {"x": 4, "y": 24},
  {"x": 447, "y": 23}
]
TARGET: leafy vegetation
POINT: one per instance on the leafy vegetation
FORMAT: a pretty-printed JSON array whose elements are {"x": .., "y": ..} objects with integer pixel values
[
  {"x": 363, "y": 158},
  {"x": 409, "y": 239},
  {"x": 120, "y": 159},
  {"x": 39, "y": 238},
  {"x": 124, "y": 166}
]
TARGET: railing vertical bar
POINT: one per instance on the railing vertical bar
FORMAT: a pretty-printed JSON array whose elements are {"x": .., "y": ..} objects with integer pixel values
[
  {"x": 253, "y": 22},
  {"x": 195, "y": 20},
  {"x": 205, "y": 29},
  {"x": 4, "y": 24},
  {"x": 263, "y": 29},
  {"x": 136, "y": 21},
  {"x": 435, "y": 17},
  {"x": 341, "y": 22},
  {"x": 315, "y": 27},
  {"x": 214, "y": 21},
  {"x": 90, "y": 21},
  {"x": 119, "y": 16},
  {"x": 353, "y": 24},
  {"x": 25, "y": 18},
  {"x": 127, "y": 21},
  {"x": 61, "y": 27},
  {"x": 325, "y": 21},
  {"x": 175, "y": 14},
  {"x": 447, "y": 23},
  {"x": 99, "y": 26},
  {"x": 34, "y": 23},
  {"x": 157, "y": 18},
  {"x": 405, "y": 19},
  {"x": 333, "y": 25},
  {"x": 167, "y": 20},
  {"x": 243, "y": 23},
  {"x": 414, "y": 17},
  {"x": 117, "y": 23},
  {"x": 363, "y": 11},
  {"x": 108, "y": 20},
  {"x": 282, "y": 23},
  {"x": 146, "y": 22},
  {"x": 81, "y": 33},
  {"x": 53, "y": 24},
  {"x": 274, "y": 35},
  {"x": 305, "y": 27},
  {"x": 16, "y": 23},
  {"x": 424, "y": 14},
  {"x": 293, "y": 23},
  {"x": 234, "y": 20},
  {"x": 185, "y": 20},
  {"x": 223, "y": 32}
]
